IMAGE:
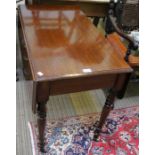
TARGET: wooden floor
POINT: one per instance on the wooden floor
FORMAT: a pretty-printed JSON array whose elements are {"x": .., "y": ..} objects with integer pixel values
[{"x": 59, "y": 106}]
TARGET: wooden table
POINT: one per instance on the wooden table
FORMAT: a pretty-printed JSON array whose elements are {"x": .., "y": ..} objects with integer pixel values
[{"x": 64, "y": 52}]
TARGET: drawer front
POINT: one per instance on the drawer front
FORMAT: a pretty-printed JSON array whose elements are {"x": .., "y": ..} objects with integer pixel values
[{"x": 82, "y": 84}]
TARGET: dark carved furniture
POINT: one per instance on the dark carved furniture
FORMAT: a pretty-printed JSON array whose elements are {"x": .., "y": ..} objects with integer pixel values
[
  {"x": 123, "y": 17},
  {"x": 63, "y": 52}
]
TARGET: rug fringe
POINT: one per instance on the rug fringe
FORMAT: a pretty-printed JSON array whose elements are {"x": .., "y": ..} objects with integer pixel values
[{"x": 32, "y": 141}]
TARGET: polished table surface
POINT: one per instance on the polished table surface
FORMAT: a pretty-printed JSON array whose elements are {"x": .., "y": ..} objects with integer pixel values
[
  {"x": 66, "y": 53},
  {"x": 63, "y": 43}
]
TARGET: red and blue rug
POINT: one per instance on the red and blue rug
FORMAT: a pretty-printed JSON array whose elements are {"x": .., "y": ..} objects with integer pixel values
[{"x": 72, "y": 136}]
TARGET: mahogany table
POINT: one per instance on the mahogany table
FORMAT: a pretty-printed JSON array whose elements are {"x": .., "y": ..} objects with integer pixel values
[{"x": 63, "y": 52}]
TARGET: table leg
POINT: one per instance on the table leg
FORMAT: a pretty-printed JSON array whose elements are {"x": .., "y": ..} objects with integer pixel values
[
  {"x": 41, "y": 95},
  {"x": 41, "y": 111},
  {"x": 109, "y": 104}
]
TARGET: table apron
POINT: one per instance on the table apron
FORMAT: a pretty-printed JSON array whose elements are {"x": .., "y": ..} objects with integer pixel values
[
  {"x": 43, "y": 89},
  {"x": 82, "y": 84}
]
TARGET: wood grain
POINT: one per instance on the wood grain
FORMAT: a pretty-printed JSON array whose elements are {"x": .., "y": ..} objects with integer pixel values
[{"x": 62, "y": 43}]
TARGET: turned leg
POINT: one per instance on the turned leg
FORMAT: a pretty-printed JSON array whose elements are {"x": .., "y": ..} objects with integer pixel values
[
  {"x": 109, "y": 104},
  {"x": 41, "y": 93},
  {"x": 41, "y": 111}
]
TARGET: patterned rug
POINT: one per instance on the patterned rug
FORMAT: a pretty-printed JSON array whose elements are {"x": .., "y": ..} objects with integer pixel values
[{"x": 73, "y": 135}]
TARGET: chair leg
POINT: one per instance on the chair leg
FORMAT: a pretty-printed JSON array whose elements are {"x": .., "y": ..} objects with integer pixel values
[
  {"x": 121, "y": 93},
  {"x": 96, "y": 21}
]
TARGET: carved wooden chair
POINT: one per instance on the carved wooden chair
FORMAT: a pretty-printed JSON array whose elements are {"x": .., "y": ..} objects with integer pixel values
[{"x": 123, "y": 17}]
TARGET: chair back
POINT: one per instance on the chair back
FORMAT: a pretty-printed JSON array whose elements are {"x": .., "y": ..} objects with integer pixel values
[{"x": 127, "y": 14}]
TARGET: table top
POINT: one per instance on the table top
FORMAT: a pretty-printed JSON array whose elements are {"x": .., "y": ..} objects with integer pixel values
[{"x": 62, "y": 42}]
